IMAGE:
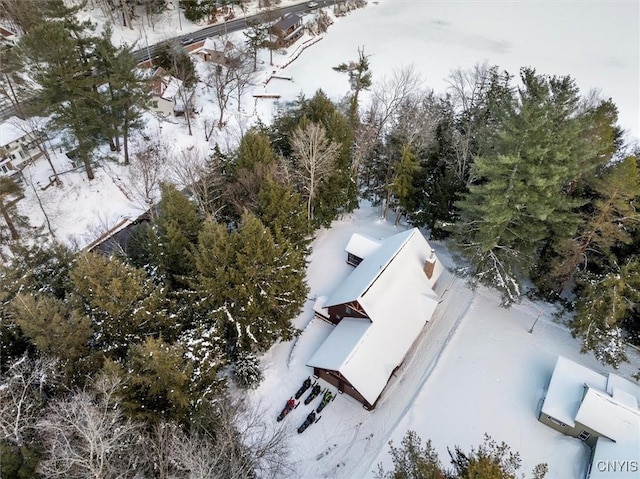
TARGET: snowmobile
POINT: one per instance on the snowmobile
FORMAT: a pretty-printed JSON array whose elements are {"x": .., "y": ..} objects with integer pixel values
[
  {"x": 307, "y": 422},
  {"x": 326, "y": 399},
  {"x": 291, "y": 404},
  {"x": 314, "y": 393},
  {"x": 305, "y": 385}
]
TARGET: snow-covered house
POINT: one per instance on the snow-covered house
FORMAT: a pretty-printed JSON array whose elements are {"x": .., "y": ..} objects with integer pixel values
[
  {"x": 288, "y": 29},
  {"x": 169, "y": 95},
  {"x": 18, "y": 147},
  {"x": 600, "y": 410},
  {"x": 8, "y": 35},
  {"x": 379, "y": 311},
  {"x": 218, "y": 52}
]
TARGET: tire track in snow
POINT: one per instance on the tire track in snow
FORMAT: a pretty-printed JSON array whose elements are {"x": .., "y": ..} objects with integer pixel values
[{"x": 452, "y": 301}]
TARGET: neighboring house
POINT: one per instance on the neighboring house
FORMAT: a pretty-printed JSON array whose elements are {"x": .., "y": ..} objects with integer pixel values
[
  {"x": 600, "y": 410},
  {"x": 168, "y": 94},
  {"x": 379, "y": 311},
  {"x": 8, "y": 35},
  {"x": 17, "y": 148},
  {"x": 287, "y": 30},
  {"x": 116, "y": 239},
  {"x": 217, "y": 52}
]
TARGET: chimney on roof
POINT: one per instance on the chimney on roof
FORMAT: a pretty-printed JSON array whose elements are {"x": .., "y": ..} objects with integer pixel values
[{"x": 430, "y": 264}]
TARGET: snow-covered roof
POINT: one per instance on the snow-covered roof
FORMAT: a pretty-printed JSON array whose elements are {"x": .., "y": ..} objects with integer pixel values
[
  {"x": 319, "y": 306},
  {"x": 566, "y": 388},
  {"x": 362, "y": 245},
  {"x": 391, "y": 286},
  {"x": 10, "y": 132},
  {"x": 617, "y": 384},
  {"x": 172, "y": 88},
  {"x": 374, "y": 264},
  {"x": 609, "y": 407},
  {"x": 617, "y": 460},
  {"x": 606, "y": 415},
  {"x": 339, "y": 346}
]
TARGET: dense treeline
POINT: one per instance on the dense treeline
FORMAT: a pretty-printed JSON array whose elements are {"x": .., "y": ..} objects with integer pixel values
[{"x": 530, "y": 182}]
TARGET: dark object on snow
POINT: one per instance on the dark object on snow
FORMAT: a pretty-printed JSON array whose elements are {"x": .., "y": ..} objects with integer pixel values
[
  {"x": 326, "y": 399},
  {"x": 291, "y": 403},
  {"x": 305, "y": 385},
  {"x": 314, "y": 392},
  {"x": 307, "y": 422}
]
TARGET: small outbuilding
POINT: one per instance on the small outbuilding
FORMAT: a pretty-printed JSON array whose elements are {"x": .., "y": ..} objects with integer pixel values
[{"x": 600, "y": 410}]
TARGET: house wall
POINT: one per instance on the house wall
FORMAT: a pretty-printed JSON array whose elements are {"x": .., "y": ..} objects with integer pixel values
[
  {"x": 336, "y": 313},
  {"x": 336, "y": 379},
  {"x": 165, "y": 107},
  {"x": 573, "y": 431},
  {"x": 16, "y": 155}
]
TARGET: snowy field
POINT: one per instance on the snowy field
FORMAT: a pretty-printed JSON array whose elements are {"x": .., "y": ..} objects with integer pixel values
[
  {"x": 475, "y": 369},
  {"x": 597, "y": 43}
]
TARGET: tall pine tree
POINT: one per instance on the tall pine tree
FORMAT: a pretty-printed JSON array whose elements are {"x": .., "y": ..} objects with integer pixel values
[{"x": 518, "y": 201}]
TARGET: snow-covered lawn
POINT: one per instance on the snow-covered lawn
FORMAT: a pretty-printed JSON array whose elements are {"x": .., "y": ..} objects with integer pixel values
[{"x": 475, "y": 369}]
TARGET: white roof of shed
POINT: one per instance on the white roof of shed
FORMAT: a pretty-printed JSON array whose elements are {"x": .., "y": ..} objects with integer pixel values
[
  {"x": 609, "y": 407},
  {"x": 566, "y": 388},
  {"x": 362, "y": 245},
  {"x": 393, "y": 289},
  {"x": 606, "y": 416},
  {"x": 10, "y": 132}
]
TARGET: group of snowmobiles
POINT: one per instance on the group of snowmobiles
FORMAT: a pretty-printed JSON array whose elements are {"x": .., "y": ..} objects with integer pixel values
[{"x": 312, "y": 417}]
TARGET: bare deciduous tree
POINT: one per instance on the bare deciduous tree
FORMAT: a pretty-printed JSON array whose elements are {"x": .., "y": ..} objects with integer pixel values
[
  {"x": 391, "y": 92},
  {"x": 148, "y": 162},
  {"x": 87, "y": 436},
  {"x": 467, "y": 89},
  {"x": 22, "y": 396},
  {"x": 316, "y": 155},
  {"x": 231, "y": 72},
  {"x": 234, "y": 443},
  {"x": 201, "y": 173}
]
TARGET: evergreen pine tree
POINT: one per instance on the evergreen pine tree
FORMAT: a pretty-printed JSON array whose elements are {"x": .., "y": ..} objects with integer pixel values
[
  {"x": 156, "y": 380},
  {"x": 174, "y": 233},
  {"x": 126, "y": 95},
  {"x": 405, "y": 171},
  {"x": 253, "y": 289},
  {"x": 255, "y": 163},
  {"x": 59, "y": 53},
  {"x": 283, "y": 212},
  {"x": 122, "y": 302},
  {"x": 607, "y": 222},
  {"x": 603, "y": 304},
  {"x": 52, "y": 326},
  {"x": 518, "y": 203}
]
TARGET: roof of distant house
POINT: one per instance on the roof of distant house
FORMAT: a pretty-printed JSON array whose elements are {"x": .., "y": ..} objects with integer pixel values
[
  {"x": 288, "y": 21},
  {"x": 11, "y": 130}
]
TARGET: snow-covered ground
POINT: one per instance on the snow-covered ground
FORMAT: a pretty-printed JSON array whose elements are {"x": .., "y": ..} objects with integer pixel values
[{"x": 475, "y": 369}]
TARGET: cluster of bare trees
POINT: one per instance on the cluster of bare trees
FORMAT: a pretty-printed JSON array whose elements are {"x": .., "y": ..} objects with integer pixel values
[{"x": 86, "y": 433}]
